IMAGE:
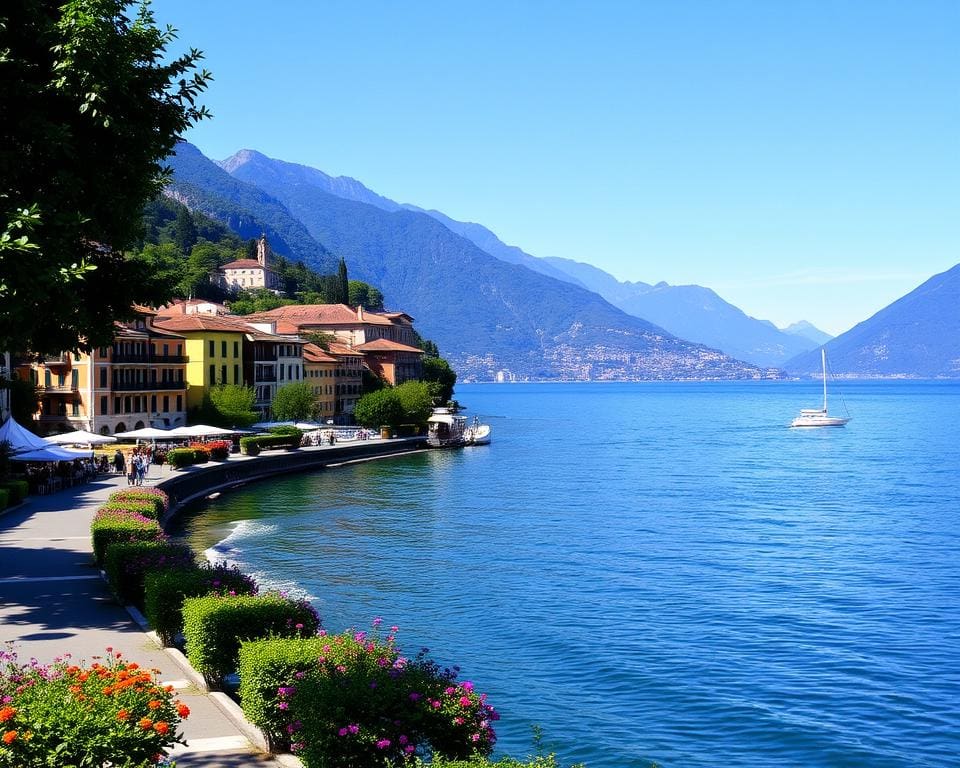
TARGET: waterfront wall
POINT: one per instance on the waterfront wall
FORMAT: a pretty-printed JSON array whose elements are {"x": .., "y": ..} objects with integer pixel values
[{"x": 190, "y": 483}]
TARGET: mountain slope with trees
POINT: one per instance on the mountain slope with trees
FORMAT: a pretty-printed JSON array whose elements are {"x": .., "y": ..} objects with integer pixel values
[
  {"x": 487, "y": 315},
  {"x": 916, "y": 336}
]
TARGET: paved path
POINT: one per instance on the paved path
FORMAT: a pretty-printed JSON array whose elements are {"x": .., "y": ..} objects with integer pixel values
[{"x": 52, "y": 601}]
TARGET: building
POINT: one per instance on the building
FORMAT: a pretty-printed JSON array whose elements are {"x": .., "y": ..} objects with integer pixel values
[
  {"x": 246, "y": 274},
  {"x": 138, "y": 381},
  {"x": 319, "y": 371},
  {"x": 396, "y": 357},
  {"x": 347, "y": 380}
]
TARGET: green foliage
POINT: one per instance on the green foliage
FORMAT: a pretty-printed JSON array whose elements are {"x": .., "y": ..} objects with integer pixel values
[
  {"x": 153, "y": 495},
  {"x": 4, "y": 498},
  {"x": 110, "y": 714},
  {"x": 18, "y": 490},
  {"x": 24, "y": 400},
  {"x": 214, "y": 627},
  {"x": 365, "y": 295},
  {"x": 97, "y": 112},
  {"x": 165, "y": 590},
  {"x": 380, "y": 408},
  {"x": 343, "y": 283},
  {"x": 442, "y": 378},
  {"x": 233, "y": 405},
  {"x": 250, "y": 446},
  {"x": 111, "y": 527},
  {"x": 185, "y": 457},
  {"x": 320, "y": 338},
  {"x": 294, "y": 402},
  {"x": 184, "y": 231},
  {"x": 127, "y": 563},
  {"x": 146, "y": 507},
  {"x": 257, "y": 300},
  {"x": 416, "y": 400},
  {"x": 279, "y": 437}
]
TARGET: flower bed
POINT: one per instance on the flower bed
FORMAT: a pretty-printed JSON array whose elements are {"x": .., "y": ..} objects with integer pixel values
[
  {"x": 145, "y": 507},
  {"x": 152, "y": 495},
  {"x": 126, "y": 564},
  {"x": 111, "y": 713},
  {"x": 217, "y": 450}
]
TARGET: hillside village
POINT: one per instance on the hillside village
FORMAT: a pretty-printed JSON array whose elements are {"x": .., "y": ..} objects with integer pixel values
[{"x": 166, "y": 361}]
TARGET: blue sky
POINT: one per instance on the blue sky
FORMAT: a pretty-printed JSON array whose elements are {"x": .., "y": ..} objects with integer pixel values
[{"x": 801, "y": 158}]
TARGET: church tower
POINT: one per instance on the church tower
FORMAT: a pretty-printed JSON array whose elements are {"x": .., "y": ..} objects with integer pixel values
[{"x": 263, "y": 251}]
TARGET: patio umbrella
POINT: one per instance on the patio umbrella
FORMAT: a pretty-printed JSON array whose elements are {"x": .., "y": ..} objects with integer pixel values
[
  {"x": 147, "y": 433},
  {"x": 80, "y": 437},
  {"x": 51, "y": 453}
]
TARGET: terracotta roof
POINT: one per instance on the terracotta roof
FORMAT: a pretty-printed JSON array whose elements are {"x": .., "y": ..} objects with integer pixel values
[
  {"x": 187, "y": 323},
  {"x": 323, "y": 314},
  {"x": 244, "y": 264},
  {"x": 314, "y": 354},
  {"x": 385, "y": 345},
  {"x": 338, "y": 348}
]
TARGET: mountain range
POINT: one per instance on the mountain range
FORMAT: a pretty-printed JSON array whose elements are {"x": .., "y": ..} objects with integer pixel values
[{"x": 489, "y": 317}]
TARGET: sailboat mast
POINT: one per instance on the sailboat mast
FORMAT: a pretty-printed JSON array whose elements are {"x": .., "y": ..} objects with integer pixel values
[{"x": 823, "y": 360}]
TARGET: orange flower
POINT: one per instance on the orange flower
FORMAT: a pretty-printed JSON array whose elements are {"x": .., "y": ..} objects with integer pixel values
[
  {"x": 182, "y": 709},
  {"x": 123, "y": 714},
  {"x": 133, "y": 665},
  {"x": 9, "y": 736},
  {"x": 108, "y": 690},
  {"x": 168, "y": 688},
  {"x": 155, "y": 704},
  {"x": 6, "y": 713},
  {"x": 161, "y": 728},
  {"x": 146, "y": 723}
]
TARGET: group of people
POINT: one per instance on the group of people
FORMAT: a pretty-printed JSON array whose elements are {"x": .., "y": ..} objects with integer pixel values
[{"x": 136, "y": 470}]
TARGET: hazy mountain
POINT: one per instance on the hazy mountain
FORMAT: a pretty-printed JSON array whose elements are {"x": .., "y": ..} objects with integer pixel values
[
  {"x": 808, "y": 331},
  {"x": 485, "y": 314},
  {"x": 918, "y": 335},
  {"x": 248, "y": 211},
  {"x": 695, "y": 313}
]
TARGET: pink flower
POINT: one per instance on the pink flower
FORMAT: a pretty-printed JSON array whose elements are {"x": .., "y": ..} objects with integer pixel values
[
  {"x": 465, "y": 701},
  {"x": 383, "y": 743}
]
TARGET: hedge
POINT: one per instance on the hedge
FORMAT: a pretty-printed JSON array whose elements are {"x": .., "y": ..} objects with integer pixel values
[
  {"x": 266, "y": 666},
  {"x": 253, "y": 445},
  {"x": 183, "y": 457},
  {"x": 165, "y": 591},
  {"x": 154, "y": 495},
  {"x": 215, "y": 625},
  {"x": 17, "y": 490},
  {"x": 127, "y": 563},
  {"x": 145, "y": 507},
  {"x": 110, "y": 527}
]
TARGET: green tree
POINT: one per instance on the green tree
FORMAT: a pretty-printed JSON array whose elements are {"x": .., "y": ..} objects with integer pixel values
[
  {"x": 416, "y": 400},
  {"x": 343, "y": 284},
  {"x": 24, "y": 401},
  {"x": 321, "y": 338},
  {"x": 380, "y": 408},
  {"x": 257, "y": 300},
  {"x": 233, "y": 405},
  {"x": 202, "y": 262},
  {"x": 90, "y": 111},
  {"x": 365, "y": 295},
  {"x": 442, "y": 378},
  {"x": 294, "y": 402},
  {"x": 184, "y": 230}
]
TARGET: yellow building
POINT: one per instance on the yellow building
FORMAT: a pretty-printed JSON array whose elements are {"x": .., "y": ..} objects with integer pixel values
[{"x": 319, "y": 371}]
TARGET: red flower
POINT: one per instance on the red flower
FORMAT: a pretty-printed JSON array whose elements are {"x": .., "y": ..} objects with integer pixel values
[
  {"x": 9, "y": 736},
  {"x": 161, "y": 728},
  {"x": 155, "y": 704},
  {"x": 146, "y": 723},
  {"x": 182, "y": 709},
  {"x": 123, "y": 714},
  {"x": 6, "y": 713}
]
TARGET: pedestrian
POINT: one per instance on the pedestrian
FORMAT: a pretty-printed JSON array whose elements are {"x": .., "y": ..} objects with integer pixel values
[
  {"x": 132, "y": 472},
  {"x": 142, "y": 469},
  {"x": 119, "y": 465}
]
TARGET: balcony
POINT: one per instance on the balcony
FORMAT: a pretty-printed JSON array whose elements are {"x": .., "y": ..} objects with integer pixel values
[
  {"x": 49, "y": 360},
  {"x": 148, "y": 386},
  {"x": 257, "y": 378},
  {"x": 57, "y": 389},
  {"x": 124, "y": 358}
]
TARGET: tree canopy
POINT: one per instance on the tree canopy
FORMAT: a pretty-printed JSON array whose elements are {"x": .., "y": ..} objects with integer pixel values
[
  {"x": 294, "y": 402},
  {"x": 90, "y": 111}
]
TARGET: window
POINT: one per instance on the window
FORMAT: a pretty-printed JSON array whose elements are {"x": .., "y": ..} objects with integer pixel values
[
  {"x": 153, "y": 403},
  {"x": 76, "y": 408},
  {"x": 179, "y": 402},
  {"x": 46, "y": 377},
  {"x": 104, "y": 403},
  {"x": 166, "y": 403},
  {"x": 166, "y": 350},
  {"x": 236, "y": 374},
  {"x": 127, "y": 403},
  {"x": 280, "y": 367},
  {"x": 103, "y": 378},
  {"x": 213, "y": 373},
  {"x": 75, "y": 379},
  {"x": 236, "y": 349},
  {"x": 223, "y": 373},
  {"x": 213, "y": 348},
  {"x": 223, "y": 349},
  {"x": 116, "y": 405}
]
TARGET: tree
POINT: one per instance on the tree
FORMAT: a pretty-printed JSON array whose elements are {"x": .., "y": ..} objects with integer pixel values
[
  {"x": 24, "y": 401},
  {"x": 343, "y": 284},
  {"x": 184, "y": 231},
  {"x": 90, "y": 111},
  {"x": 321, "y": 338},
  {"x": 257, "y": 300},
  {"x": 294, "y": 402},
  {"x": 416, "y": 400},
  {"x": 442, "y": 378},
  {"x": 233, "y": 405},
  {"x": 364, "y": 295},
  {"x": 380, "y": 408}
]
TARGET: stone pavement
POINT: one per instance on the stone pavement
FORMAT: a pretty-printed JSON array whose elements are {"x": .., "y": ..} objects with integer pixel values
[{"x": 53, "y": 601}]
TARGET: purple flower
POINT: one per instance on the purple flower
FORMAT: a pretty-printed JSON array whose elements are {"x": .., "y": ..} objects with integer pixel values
[{"x": 383, "y": 743}]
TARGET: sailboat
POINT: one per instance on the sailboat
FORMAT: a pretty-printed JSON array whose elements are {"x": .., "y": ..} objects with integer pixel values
[{"x": 818, "y": 417}]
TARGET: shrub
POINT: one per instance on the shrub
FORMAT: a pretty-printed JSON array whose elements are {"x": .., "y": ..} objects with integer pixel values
[
  {"x": 17, "y": 489},
  {"x": 215, "y": 625},
  {"x": 249, "y": 446},
  {"x": 362, "y": 703},
  {"x": 67, "y": 715},
  {"x": 253, "y": 445},
  {"x": 164, "y": 592},
  {"x": 540, "y": 761},
  {"x": 144, "y": 507},
  {"x": 127, "y": 563},
  {"x": 219, "y": 450},
  {"x": 109, "y": 527},
  {"x": 4, "y": 498},
  {"x": 153, "y": 495},
  {"x": 201, "y": 453}
]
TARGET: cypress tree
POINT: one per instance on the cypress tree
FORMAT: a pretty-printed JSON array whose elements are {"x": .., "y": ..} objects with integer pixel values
[{"x": 343, "y": 287}]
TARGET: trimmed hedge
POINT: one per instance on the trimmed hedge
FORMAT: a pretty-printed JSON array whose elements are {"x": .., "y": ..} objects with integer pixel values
[
  {"x": 279, "y": 437},
  {"x": 184, "y": 457},
  {"x": 153, "y": 495},
  {"x": 147, "y": 508},
  {"x": 266, "y": 666},
  {"x": 214, "y": 626},
  {"x": 112, "y": 527},
  {"x": 164, "y": 592},
  {"x": 127, "y": 563},
  {"x": 17, "y": 490}
]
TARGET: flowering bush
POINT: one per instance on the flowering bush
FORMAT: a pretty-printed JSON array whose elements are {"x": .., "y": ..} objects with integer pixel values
[
  {"x": 215, "y": 625},
  {"x": 164, "y": 592},
  {"x": 218, "y": 450},
  {"x": 143, "y": 507},
  {"x": 110, "y": 526},
  {"x": 140, "y": 493},
  {"x": 126, "y": 564},
  {"x": 362, "y": 703},
  {"x": 201, "y": 452},
  {"x": 112, "y": 714}
]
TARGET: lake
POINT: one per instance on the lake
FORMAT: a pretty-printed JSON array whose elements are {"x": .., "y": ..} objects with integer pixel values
[{"x": 656, "y": 571}]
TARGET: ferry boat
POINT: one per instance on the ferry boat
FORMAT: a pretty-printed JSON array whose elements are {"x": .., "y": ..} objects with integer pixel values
[{"x": 445, "y": 429}]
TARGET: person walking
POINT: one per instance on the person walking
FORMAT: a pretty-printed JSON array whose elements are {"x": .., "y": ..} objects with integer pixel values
[
  {"x": 119, "y": 465},
  {"x": 132, "y": 472}
]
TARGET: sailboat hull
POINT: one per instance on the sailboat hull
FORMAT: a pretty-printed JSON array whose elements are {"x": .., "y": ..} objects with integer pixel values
[{"x": 819, "y": 420}]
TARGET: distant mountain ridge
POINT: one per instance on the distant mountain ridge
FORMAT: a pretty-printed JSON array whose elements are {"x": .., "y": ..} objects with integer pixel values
[
  {"x": 808, "y": 331},
  {"x": 916, "y": 336},
  {"x": 488, "y": 316}
]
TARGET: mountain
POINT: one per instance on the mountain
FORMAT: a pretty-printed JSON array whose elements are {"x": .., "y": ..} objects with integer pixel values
[
  {"x": 693, "y": 312},
  {"x": 916, "y": 336},
  {"x": 486, "y": 315},
  {"x": 808, "y": 331},
  {"x": 249, "y": 212}
]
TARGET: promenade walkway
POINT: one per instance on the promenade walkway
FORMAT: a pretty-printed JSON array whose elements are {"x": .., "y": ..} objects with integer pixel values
[{"x": 52, "y": 601}]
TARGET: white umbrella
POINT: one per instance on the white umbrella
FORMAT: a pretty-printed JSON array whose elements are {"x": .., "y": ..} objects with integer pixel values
[
  {"x": 147, "y": 433},
  {"x": 80, "y": 437}
]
